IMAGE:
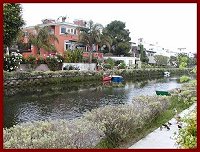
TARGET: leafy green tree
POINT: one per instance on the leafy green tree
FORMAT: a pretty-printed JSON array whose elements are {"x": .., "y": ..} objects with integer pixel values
[
  {"x": 183, "y": 60},
  {"x": 120, "y": 38},
  {"x": 173, "y": 61},
  {"x": 161, "y": 60},
  {"x": 92, "y": 36},
  {"x": 12, "y": 22},
  {"x": 143, "y": 56},
  {"x": 106, "y": 42},
  {"x": 43, "y": 39}
]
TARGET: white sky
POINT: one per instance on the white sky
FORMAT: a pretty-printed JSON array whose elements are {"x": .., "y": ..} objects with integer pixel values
[{"x": 171, "y": 25}]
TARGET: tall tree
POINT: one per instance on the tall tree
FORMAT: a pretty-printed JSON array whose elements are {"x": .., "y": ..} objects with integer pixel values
[
  {"x": 43, "y": 39},
  {"x": 12, "y": 22},
  {"x": 106, "y": 41},
  {"x": 143, "y": 56},
  {"x": 92, "y": 36},
  {"x": 161, "y": 60},
  {"x": 120, "y": 37},
  {"x": 173, "y": 61}
]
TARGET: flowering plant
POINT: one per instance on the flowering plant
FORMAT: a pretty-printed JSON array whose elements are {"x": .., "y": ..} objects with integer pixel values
[
  {"x": 54, "y": 62},
  {"x": 12, "y": 61}
]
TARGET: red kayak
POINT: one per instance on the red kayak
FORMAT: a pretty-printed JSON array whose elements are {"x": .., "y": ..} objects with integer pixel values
[{"x": 107, "y": 78}]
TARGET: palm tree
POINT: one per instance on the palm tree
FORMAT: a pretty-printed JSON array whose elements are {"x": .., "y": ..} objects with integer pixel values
[
  {"x": 106, "y": 40},
  {"x": 43, "y": 39},
  {"x": 92, "y": 35}
]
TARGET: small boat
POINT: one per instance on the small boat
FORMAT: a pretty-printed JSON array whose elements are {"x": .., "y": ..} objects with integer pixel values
[
  {"x": 166, "y": 74},
  {"x": 117, "y": 78},
  {"x": 163, "y": 93},
  {"x": 107, "y": 78}
]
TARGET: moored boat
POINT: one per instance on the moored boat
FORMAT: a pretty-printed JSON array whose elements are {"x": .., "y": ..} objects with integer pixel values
[
  {"x": 107, "y": 78},
  {"x": 117, "y": 78},
  {"x": 166, "y": 74},
  {"x": 163, "y": 93}
]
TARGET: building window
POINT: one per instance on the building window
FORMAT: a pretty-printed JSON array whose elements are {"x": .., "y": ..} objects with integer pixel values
[
  {"x": 69, "y": 45},
  {"x": 130, "y": 62},
  {"x": 63, "y": 30},
  {"x": 34, "y": 32},
  {"x": 68, "y": 30},
  {"x": 25, "y": 33},
  {"x": 51, "y": 31},
  {"x": 74, "y": 31}
]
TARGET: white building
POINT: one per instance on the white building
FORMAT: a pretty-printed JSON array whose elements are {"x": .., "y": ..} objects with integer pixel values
[{"x": 129, "y": 61}]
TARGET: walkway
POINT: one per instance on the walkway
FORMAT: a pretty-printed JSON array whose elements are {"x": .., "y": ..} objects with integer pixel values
[{"x": 162, "y": 139}]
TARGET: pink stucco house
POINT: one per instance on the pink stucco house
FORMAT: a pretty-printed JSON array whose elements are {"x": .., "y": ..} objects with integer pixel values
[{"x": 67, "y": 34}]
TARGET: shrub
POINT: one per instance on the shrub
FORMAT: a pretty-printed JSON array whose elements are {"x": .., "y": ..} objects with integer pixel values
[
  {"x": 122, "y": 65},
  {"x": 111, "y": 62},
  {"x": 85, "y": 60},
  {"x": 94, "y": 60},
  {"x": 74, "y": 56},
  {"x": 12, "y": 61},
  {"x": 187, "y": 136},
  {"x": 113, "y": 123},
  {"x": 40, "y": 60},
  {"x": 31, "y": 60},
  {"x": 24, "y": 60},
  {"x": 184, "y": 78},
  {"x": 117, "y": 122},
  {"x": 54, "y": 62},
  {"x": 53, "y": 134},
  {"x": 106, "y": 66}
]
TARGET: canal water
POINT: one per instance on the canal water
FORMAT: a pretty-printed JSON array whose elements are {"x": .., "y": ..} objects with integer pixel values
[{"x": 71, "y": 101}]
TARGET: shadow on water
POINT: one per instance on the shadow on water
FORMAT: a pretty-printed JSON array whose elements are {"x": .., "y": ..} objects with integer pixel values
[{"x": 68, "y": 101}]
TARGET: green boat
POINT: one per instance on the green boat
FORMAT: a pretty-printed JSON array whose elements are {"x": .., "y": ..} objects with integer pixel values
[{"x": 163, "y": 93}]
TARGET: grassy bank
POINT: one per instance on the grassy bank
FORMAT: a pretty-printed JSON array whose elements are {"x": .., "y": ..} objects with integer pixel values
[
  {"x": 157, "y": 122},
  {"x": 180, "y": 101}
]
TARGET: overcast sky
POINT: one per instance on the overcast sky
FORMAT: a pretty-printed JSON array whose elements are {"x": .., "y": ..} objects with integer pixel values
[{"x": 171, "y": 25}]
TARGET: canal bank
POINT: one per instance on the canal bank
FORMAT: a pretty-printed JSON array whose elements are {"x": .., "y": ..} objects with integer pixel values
[
  {"x": 163, "y": 139},
  {"x": 23, "y": 79},
  {"x": 104, "y": 127},
  {"x": 73, "y": 100}
]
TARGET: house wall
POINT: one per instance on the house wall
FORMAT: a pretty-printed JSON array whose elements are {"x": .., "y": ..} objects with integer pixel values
[
  {"x": 127, "y": 60},
  {"x": 82, "y": 66},
  {"x": 62, "y": 38}
]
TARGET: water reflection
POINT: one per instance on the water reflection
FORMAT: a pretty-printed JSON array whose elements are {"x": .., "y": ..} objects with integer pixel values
[{"x": 71, "y": 101}]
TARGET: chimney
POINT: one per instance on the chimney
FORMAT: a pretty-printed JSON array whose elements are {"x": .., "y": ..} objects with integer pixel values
[{"x": 63, "y": 19}]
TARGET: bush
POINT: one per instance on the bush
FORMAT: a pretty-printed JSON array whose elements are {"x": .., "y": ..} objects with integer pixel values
[
  {"x": 187, "y": 136},
  {"x": 74, "y": 56},
  {"x": 40, "y": 60},
  {"x": 122, "y": 66},
  {"x": 111, "y": 62},
  {"x": 184, "y": 78},
  {"x": 12, "y": 61},
  {"x": 31, "y": 60},
  {"x": 53, "y": 134},
  {"x": 54, "y": 62},
  {"x": 117, "y": 122},
  {"x": 106, "y": 66},
  {"x": 113, "y": 123}
]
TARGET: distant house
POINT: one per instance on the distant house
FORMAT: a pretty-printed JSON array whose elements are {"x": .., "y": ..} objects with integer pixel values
[
  {"x": 134, "y": 52},
  {"x": 150, "y": 54},
  {"x": 129, "y": 61},
  {"x": 67, "y": 34}
]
